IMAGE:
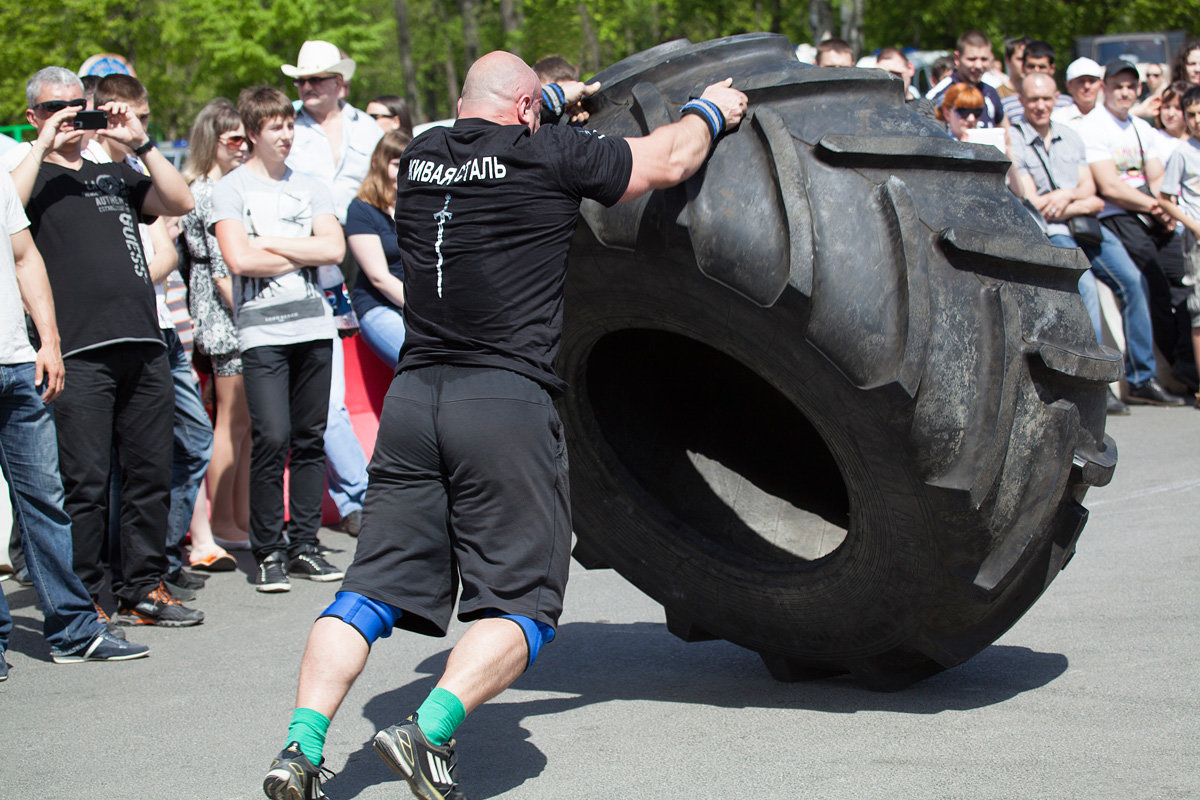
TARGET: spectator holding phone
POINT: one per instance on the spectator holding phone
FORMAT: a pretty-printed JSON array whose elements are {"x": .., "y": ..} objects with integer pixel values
[{"x": 83, "y": 217}]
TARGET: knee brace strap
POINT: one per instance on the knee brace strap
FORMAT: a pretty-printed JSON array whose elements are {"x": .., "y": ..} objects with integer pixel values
[
  {"x": 374, "y": 620},
  {"x": 536, "y": 634}
]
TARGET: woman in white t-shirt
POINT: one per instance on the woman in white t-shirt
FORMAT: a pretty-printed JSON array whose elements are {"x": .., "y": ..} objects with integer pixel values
[{"x": 1169, "y": 120}]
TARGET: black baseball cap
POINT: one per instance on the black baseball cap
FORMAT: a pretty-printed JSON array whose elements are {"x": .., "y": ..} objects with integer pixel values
[{"x": 1119, "y": 66}]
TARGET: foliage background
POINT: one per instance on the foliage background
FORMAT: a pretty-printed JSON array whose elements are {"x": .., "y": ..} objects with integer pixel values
[{"x": 189, "y": 51}]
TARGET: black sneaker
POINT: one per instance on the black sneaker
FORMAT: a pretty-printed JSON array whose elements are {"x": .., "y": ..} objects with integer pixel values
[
  {"x": 1114, "y": 407},
  {"x": 3, "y": 667},
  {"x": 271, "y": 575},
  {"x": 160, "y": 608},
  {"x": 105, "y": 647},
  {"x": 293, "y": 777},
  {"x": 188, "y": 580},
  {"x": 311, "y": 564},
  {"x": 431, "y": 771},
  {"x": 351, "y": 523},
  {"x": 1151, "y": 393}
]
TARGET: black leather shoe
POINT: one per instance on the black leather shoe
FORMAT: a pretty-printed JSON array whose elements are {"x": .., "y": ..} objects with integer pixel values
[
  {"x": 1115, "y": 407},
  {"x": 1151, "y": 393}
]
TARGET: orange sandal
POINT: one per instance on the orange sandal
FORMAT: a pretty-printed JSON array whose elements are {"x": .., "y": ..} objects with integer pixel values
[{"x": 217, "y": 561}]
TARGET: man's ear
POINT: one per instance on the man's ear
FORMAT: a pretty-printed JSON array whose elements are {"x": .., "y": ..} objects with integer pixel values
[
  {"x": 525, "y": 106},
  {"x": 30, "y": 117}
]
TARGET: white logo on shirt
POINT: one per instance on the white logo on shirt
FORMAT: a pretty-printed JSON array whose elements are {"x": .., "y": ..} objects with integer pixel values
[{"x": 442, "y": 218}]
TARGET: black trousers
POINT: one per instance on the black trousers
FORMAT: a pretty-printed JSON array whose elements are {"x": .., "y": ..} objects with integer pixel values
[
  {"x": 118, "y": 397},
  {"x": 287, "y": 390},
  {"x": 1159, "y": 256}
]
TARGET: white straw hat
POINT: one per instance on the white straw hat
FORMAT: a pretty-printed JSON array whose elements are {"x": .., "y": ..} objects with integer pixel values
[{"x": 317, "y": 57}]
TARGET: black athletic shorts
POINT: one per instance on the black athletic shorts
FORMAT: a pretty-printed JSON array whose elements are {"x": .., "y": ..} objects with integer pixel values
[{"x": 468, "y": 482}]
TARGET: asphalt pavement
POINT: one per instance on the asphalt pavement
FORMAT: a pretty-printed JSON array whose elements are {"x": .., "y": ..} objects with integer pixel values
[{"x": 1093, "y": 694}]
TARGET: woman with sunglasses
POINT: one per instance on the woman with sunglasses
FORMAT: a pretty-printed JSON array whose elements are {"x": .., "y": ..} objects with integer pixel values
[
  {"x": 961, "y": 110},
  {"x": 390, "y": 112},
  {"x": 218, "y": 145},
  {"x": 378, "y": 295}
]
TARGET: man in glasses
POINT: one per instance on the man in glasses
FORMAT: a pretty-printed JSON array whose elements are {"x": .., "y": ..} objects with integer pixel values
[
  {"x": 83, "y": 217},
  {"x": 333, "y": 144}
]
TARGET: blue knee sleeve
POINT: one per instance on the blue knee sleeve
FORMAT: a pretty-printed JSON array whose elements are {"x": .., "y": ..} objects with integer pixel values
[
  {"x": 536, "y": 634},
  {"x": 369, "y": 617}
]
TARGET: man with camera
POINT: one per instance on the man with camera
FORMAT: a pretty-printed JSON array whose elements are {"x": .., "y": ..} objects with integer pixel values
[{"x": 119, "y": 394}]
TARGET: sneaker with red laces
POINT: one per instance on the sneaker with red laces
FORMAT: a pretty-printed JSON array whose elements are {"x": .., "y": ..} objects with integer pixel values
[{"x": 160, "y": 608}]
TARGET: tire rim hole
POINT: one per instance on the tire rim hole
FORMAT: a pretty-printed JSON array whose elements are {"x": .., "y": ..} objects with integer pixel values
[{"x": 724, "y": 452}]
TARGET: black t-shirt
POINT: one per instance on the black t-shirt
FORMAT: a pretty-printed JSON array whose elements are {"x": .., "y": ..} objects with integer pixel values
[
  {"x": 484, "y": 215},
  {"x": 85, "y": 224},
  {"x": 364, "y": 218}
]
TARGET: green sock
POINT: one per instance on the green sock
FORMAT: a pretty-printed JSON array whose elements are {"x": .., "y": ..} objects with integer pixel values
[
  {"x": 308, "y": 730},
  {"x": 439, "y": 715}
]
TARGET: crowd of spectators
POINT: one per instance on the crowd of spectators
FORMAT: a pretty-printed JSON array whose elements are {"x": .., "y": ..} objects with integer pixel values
[
  {"x": 131, "y": 493},
  {"x": 1104, "y": 166},
  {"x": 140, "y": 493}
]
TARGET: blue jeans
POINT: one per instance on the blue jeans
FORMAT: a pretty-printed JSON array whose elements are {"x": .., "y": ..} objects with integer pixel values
[
  {"x": 29, "y": 458},
  {"x": 1113, "y": 266},
  {"x": 1087, "y": 287},
  {"x": 382, "y": 328},
  {"x": 192, "y": 450},
  {"x": 1116, "y": 270},
  {"x": 345, "y": 462}
]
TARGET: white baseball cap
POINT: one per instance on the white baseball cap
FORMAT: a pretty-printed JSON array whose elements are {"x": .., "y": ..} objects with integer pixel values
[
  {"x": 317, "y": 57},
  {"x": 1084, "y": 66}
]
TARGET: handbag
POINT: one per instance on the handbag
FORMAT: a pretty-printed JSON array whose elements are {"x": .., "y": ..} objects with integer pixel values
[{"x": 1084, "y": 228}]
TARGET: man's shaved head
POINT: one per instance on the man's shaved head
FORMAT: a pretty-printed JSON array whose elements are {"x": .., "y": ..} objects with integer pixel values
[
  {"x": 495, "y": 84},
  {"x": 1037, "y": 81}
]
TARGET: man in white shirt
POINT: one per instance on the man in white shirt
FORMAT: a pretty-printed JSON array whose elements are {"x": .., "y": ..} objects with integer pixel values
[
  {"x": 333, "y": 144},
  {"x": 1084, "y": 80},
  {"x": 1122, "y": 152}
]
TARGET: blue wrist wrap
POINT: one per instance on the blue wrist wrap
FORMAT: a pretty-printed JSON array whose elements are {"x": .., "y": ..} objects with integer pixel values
[
  {"x": 707, "y": 111},
  {"x": 553, "y": 100}
]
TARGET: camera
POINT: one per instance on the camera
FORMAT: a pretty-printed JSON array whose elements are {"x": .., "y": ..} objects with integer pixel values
[{"x": 91, "y": 120}]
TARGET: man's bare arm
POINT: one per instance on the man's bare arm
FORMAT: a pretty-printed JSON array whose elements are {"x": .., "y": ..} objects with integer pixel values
[
  {"x": 34, "y": 286},
  {"x": 244, "y": 259},
  {"x": 672, "y": 154},
  {"x": 327, "y": 245}
]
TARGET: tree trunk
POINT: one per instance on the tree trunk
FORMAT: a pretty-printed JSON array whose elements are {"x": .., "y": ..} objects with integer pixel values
[
  {"x": 852, "y": 22},
  {"x": 470, "y": 23},
  {"x": 591, "y": 44},
  {"x": 411, "y": 92},
  {"x": 820, "y": 20},
  {"x": 449, "y": 63},
  {"x": 511, "y": 23}
]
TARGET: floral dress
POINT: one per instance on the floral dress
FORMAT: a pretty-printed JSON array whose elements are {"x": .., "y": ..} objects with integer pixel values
[{"x": 216, "y": 333}]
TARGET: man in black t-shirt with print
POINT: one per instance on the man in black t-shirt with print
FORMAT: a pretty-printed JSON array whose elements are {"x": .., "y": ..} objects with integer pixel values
[
  {"x": 469, "y": 476},
  {"x": 119, "y": 393}
]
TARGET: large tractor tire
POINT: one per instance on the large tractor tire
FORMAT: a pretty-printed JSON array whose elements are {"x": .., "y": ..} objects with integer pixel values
[{"x": 835, "y": 399}]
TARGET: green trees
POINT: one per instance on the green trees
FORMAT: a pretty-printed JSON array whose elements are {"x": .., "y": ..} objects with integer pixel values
[{"x": 189, "y": 51}]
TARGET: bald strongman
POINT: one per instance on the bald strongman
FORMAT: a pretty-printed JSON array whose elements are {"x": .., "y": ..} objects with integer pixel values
[{"x": 468, "y": 497}]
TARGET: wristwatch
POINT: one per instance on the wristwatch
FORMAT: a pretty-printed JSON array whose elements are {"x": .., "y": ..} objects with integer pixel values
[{"x": 145, "y": 147}]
